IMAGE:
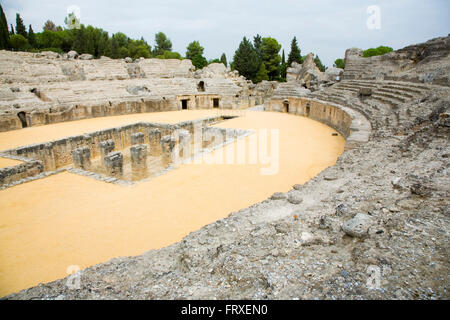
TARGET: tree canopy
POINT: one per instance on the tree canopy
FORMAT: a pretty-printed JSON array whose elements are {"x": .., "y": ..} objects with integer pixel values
[
  {"x": 4, "y": 32},
  {"x": 162, "y": 44},
  {"x": 246, "y": 59},
  {"x": 270, "y": 57},
  {"x": 339, "y": 63},
  {"x": 295, "y": 54},
  {"x": 195, "y": 54},
  {"x": 377, "y": 51}
]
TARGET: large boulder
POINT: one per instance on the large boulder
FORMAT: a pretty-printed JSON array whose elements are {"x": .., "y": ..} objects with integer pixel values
[
  {"x": 334, "y": 74},
  {"x": 72, "y": 54},
  {"x": 86, "y": 56}
]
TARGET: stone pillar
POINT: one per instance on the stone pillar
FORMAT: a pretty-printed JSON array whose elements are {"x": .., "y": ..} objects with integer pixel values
[
  {"x": 138, "y": 156},
  {"x": 114, "y": 163},
  {"x": 168, "y": 147},
  {"x": 105, "y": 148},
  {"x": 185, "y": 144},
  {"x": 154, "y": 137},
  {"x": 82, "y": 158},
  {"x": 137, "y": 138}
]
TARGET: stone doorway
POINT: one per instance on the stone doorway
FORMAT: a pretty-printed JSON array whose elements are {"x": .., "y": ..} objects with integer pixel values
[
  {"x": 184, "y": 104},
  {"x": 216, "y": 103},
  {"x": 308, "y": 109},
  {"x": 286, "y": 106},
  {"x": 23, "y": 119}
]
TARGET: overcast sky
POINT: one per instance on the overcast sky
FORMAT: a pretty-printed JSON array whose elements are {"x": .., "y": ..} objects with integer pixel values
[{"x": 325, "y": 27}]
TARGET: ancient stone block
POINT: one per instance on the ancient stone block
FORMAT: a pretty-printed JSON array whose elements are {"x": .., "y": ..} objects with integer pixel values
[
  {"x": 82, "y": 158},
  {"x": 114, "y": 163},
  {"x": 185, "y": 143},
  {"x": 168, "y": 144},
  {"x": 137, "y": 138},
  {"x": 139, "y": 156},
  {"x": 154, "y": 136},
  {"x": 105, "y": 148},
  {"x": 365, "y": 92}
]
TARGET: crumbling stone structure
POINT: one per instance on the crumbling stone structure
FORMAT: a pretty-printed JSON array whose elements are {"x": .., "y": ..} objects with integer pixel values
[
  {"x": 114, "y": 163},
  {"x": 139, "y": 156},
  {"x": 82, "y": 158}
]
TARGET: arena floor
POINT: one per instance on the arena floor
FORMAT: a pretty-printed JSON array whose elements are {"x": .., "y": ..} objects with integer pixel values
[{"x": 66, "y": 220}]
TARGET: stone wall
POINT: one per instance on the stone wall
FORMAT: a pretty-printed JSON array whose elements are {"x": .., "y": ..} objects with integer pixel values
[
  {"x": 28, "y": 168},
  {"x": 423, "y": 63},
  {"x": 348, "y": 122}
]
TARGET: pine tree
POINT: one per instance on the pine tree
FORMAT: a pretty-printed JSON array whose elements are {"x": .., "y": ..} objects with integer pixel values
[
  {"x": 270, "y": 57},
  {"x": 246, "y": 60},
  {"x": 261, "y": 74},
  {"x": 195, "y": 54},
  {"x": 20, "y": 27},
  {"x": 319, "y": 64},
  {"x": 49, "y": 26},
  {"x": 223, "y": 59},
  {"x": 162, "y": 43},
  {"x": 295, "y": 54},
  {"x": 4, "y": 32},
  {"x": 31, "y": 37}
]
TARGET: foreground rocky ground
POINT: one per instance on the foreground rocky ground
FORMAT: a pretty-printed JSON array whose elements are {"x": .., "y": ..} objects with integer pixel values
[{"x": 375, "y": 226}]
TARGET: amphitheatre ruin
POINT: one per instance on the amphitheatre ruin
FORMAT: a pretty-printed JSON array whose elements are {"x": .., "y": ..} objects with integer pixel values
[{"x": 141, "y": 176}]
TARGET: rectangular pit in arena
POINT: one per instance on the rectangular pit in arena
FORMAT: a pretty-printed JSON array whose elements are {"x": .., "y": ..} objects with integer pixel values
[{"x": 121, "y": 155}]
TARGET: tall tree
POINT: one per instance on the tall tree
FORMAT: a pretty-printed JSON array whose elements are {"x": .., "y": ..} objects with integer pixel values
[
  {"x": 195, "y": 54},
  {"x": 12, "y": 31},
  {"x": 4, "y": 32},
  {"x": 257, "y": 43},
  {"x": 223, "y": 59},
  {"x": 295, "y": 54},
  {"x": 319, "y": 64},
  {"x": 283, "y": 66},
  {"x": 270, "y": 57},
  {"x": 31, "y": 37},
  {"x": 246, "y": 60},
  {"x": 20, "y": 27},
  {"x": 162, "y": 43},
  {"x": 49, "y": 26},
  {"x": 261, "y": 74}
]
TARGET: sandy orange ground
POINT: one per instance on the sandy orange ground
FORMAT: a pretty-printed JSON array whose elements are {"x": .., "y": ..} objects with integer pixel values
[
  {"x": 64, "y": 220},
  {"x": 5, "y": 162}
]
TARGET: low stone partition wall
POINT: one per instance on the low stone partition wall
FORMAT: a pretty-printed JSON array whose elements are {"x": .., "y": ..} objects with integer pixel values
[
  {"x": 348, "y": 122},
  {"x": 79, "y": 150},
  {"x": 94, "y": 110},
  {"x": 22, "y": 171}
]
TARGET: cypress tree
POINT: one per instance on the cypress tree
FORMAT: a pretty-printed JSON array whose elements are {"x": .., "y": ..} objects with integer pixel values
[
  {"x": 295, "y": 54},
  {"x": 20, "y": 27},
  {"x": 319, "y": 64},
  {"x": 223, "y": 59},
  {"x": 283, "y": 66},
  {"x": 4, "y": 32},
  {"x": 31, "y": 37},
  {"x": 12, "y": 31}
]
